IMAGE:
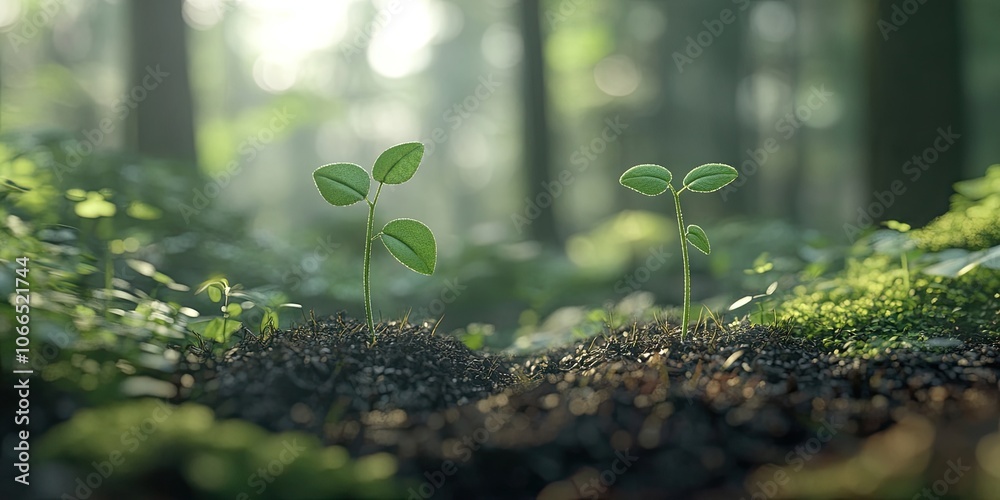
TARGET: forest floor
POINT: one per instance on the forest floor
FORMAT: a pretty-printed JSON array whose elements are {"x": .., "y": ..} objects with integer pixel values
[{"x": 748, "y": 412}]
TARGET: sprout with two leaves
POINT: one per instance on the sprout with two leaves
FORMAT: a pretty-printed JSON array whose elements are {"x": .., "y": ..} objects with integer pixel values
[
  {"x": 653, "y": 180},
  {"x": 409, "y": 241}
]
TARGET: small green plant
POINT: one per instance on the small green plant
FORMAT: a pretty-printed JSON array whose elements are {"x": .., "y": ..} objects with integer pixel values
[
  {"x": 409, "y": 241},
  {"x": 221, "y": 328},
  {"x": 653, "y": 180}
]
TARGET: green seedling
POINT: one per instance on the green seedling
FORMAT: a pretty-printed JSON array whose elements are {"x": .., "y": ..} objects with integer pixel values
[
  {"x": 235, "y": 301},
  {"x": 653, "y": 180},
  {"x": 409, "y": 241},
  {"x": 220, "y": 328}
]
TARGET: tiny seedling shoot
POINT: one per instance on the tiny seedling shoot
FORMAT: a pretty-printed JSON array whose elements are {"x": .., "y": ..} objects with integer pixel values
[
  {"x": 653, "y": 180},
  {"x": 409, "y": 241}
]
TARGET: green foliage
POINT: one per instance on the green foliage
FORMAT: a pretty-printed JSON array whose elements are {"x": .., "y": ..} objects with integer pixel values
[
  {"x": 105, "y": 312},
  {"x": 220, "y": 328},
  {"x": 710, "y": 177},
  {"x": 697, "y": 237},
  {"x": 971, "y": 223},
  {"x": 652, "y": 180},
  {"x": 409, "y": 241},
  {"x": 412, "y": 244},
  {"x": 398, "y": 164},
  {"x": 342, "y": 184},
  {"x": 946, "y": 282},
  {"x": 866, "y": 305},
  {"x": 217, "y": 459}
]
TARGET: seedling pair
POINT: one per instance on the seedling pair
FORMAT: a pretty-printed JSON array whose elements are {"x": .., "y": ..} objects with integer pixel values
[
  {"x": 653, "y": 180},
  {"x": 412, "y": 243},
  {"x": 409, "y": 241}
]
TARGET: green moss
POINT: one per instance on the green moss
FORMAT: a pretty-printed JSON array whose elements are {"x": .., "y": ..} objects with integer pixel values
[
  {"x": 867, "y": 307},
  {"x": 972, "y": 221}
]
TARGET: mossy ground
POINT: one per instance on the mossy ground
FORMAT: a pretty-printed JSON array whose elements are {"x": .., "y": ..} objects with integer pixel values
[{"x": 888, "y": 297}]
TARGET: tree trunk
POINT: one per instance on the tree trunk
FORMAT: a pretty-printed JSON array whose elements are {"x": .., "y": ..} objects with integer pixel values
[
  {"x": 536, "y": 129},
  {"x": 915, "y": 99},
  {"x": 162, "y": 121}
]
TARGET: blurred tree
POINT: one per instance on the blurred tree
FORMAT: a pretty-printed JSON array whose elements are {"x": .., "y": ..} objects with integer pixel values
[
  {"x": 915, "y": 98},
  {"x": 162, "y": 124},
  {"x": 536, "y": 128}
]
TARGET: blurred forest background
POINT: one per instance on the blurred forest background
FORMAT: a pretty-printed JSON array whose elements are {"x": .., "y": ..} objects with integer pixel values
[{"x": 202, "y": 120}]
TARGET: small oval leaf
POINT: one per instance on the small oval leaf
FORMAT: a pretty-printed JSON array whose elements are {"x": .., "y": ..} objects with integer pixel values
[
  {"x": 233, "y": 310},
  {"x": 214, "y": 293},
  {"x": 397, "y": 164},
  {"x": 697, "y": 237},
  {"x": 142, "y": 267},
  {"x": 710, "y": 177},
  {"x": 650, "y": 180},
  {"x": 740, "y": 303},
  {"x": 412, "y": 244},
  {"x": 771, "y": 288},
  {"x": 342, "y": 184}
]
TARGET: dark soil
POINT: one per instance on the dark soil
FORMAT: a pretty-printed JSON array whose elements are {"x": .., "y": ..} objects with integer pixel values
[
  {"x": 329, "y": 371},
  {"x": 657, "y": 417}
]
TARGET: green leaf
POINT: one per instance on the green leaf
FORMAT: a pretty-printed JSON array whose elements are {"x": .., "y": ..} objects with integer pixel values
[
  {"x": 649, "y": 180},
  {"x": 214, "y": 293},
  {"x": 142, "y": 211},
  {"x": 342, "y": 184},
  {"x": 216, "y": 329},
  {"x": 397, "y": 164},
  {"x": 75, "y": 194},
  {"x": 710, "y": 177},
  {"x": 142, "y": 267},
  {"x": 697, "y": 237},
  {"x": 233, "y": 310},
  {"x": 412, "y": 244}
]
